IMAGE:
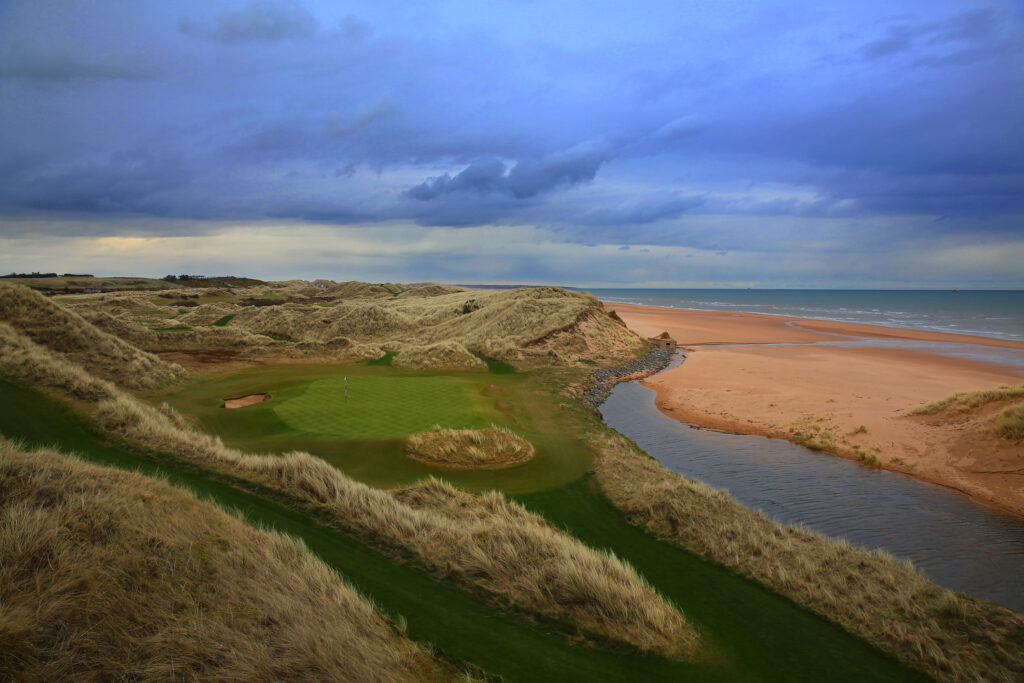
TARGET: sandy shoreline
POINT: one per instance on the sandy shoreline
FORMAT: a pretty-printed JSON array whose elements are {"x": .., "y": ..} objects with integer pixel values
[{"x": 763, "y": 374}]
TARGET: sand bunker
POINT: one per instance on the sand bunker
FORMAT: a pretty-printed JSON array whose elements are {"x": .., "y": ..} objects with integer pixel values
[
  {"x": 489, "y": 449},
  {"x": 244, "y": 401}
]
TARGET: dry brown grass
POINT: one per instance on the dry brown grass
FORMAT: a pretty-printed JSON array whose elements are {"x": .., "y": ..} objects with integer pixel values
[
  {"x": 887, "y": 602},
  {"x": 447, "y": 355},
  {"x": 433, "y": 325},
  {"x": 563, "y": 578},
  {"x": 109, "y": 575},
  {"x": 1010, "y": 424},
  {"x": 967, "y": 401},
  {"x": 512, "y": 552},
  {"x": 67, "y": 333},
  {"x": 23, "y": 359},
  {"x": 532, "y": 566},
  {"x": 493, "y": 448}
]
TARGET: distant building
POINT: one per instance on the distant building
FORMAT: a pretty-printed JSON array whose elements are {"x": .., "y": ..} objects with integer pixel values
[{"x": 663, "y": 341}]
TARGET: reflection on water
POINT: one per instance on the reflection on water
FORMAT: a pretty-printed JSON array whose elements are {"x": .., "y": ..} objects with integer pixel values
[{"x": 958, "y": 543}]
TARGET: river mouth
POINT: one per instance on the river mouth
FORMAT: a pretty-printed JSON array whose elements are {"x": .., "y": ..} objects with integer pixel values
[{"x": 958, "y": 543}]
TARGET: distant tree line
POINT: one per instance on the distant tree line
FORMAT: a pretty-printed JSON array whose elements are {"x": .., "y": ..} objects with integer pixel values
[
  {"x": 37, "y": 275},
  {"x": 200, "y": 278},
  {"x": 197, "y": 278}
]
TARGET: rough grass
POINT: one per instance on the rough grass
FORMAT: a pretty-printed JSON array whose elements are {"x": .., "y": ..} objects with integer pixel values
[
  {"x": 450, "y": 355},
  {"x": 67, "y": 333},
  {"x": 491, "y": 448},
  {"x": 109, "y": 575},
  {"x": 530, "y": 565},
  {"x": 377, "y": 407},
  {"x": 533, "y": 566},
  {"x": 432, "y": 326},
  {"x": 887, "y": 602},
  {"x": 1010, "y": 425},
  {"x": 23, "y": 359},
  {"x": 967, "y": 401}
]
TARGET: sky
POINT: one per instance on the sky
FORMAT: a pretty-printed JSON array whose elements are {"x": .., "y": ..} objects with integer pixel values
[{"x": 869, "y": 144}]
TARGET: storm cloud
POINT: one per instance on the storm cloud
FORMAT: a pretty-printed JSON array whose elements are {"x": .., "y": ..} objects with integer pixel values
[{"x": 777, "y": 126}]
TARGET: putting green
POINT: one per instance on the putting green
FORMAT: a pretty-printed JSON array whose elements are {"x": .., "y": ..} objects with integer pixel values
[{"x": 379, "y": 406}]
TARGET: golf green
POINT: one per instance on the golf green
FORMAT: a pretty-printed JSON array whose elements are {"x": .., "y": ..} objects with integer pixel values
[{"x": 361, "y": 406}]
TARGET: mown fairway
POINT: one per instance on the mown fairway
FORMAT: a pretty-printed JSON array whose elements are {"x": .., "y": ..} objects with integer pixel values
[{"x": 379, "y": 407}]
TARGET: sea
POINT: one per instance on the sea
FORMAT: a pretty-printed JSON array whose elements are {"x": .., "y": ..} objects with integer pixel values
[{"x": 998, "y": 314}]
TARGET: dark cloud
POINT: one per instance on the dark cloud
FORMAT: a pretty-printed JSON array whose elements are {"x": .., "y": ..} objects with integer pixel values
[
  {"x": 645, "y": 128},
  {"x": 527, "y": 178},
  {"x": 571, "y": 167},
  {"x": 256, "y": 21},
  {"x": 49, "y": 69},
  {"x": 117, "y": 185},
  {"x": 979, "y": 27},
  {"x": 481, "y": 177}
]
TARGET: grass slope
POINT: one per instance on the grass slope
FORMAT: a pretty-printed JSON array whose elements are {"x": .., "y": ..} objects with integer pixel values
[
  {"x": 757, "y": 635},
  {"x": 374, "y": 407},
  {"x": 110, "y": 575}
]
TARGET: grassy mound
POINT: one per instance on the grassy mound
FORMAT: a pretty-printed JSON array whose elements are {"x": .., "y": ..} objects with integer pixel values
[
  {"x": 446, "y": 355},
  {"x": 110, "y": 575},
  {"x": 432, "y": 325},
  {"x": 378, "y": 407},
  {"x": 966, "y": 401},
  {"x": 491, "y": 448},
  {"x": 1010, "y": 425},
  {"x": 982, "y": 414},
  {"x": 25, "y": 360},
  {"x": 69, "y": 334}
]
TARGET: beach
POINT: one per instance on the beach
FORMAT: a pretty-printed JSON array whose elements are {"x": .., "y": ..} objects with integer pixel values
[{"x": 845, "y": 388}]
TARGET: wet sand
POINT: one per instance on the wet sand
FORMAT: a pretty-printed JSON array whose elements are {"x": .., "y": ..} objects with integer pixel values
[{"x": 851, "y": 401}]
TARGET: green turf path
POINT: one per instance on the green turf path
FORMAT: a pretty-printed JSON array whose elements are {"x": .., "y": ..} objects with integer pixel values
[
  {"x": 386, "y": 359},
  {"x": 741, "y": 621},
  {"x": 375, "y": 407},
  {"x": 752, "y": 633}
]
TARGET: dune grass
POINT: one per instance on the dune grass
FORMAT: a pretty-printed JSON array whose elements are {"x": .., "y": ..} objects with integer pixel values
[
  {"x": 374, "y": 407},
  {"x": 883, "y": 600},
  {"x": 562, "y": 578},
  {"x": 111, "y": 575},
  {"x": 753, "y": 634},
  {"x": 432, "y": 326},
  {"x": 1010, "y": 424},
  {"x": 966, "y": 401},
  {"x": 667, "y": 503},
  {"x": 221, "y": 322},
  {"x": 64, "y": 332},
  {"x": 566, "y": 580},
  {"x": 491, "y": 448}
]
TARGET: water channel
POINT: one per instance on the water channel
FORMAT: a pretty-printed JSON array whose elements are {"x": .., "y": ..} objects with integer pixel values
[{"x": 956, "y": 542}]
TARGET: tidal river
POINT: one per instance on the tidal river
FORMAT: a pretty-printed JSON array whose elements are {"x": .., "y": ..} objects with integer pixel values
[{"x": 958, "y": 543}]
